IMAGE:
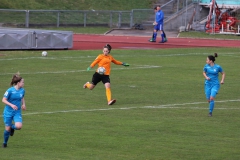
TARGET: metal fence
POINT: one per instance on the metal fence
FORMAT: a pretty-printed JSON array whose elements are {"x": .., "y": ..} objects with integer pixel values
[
  {"x": 21, "y": 38},
  {"x": 58, "y": 18},
  {"x": 146, "y": 16},
  {"x": 84, "y": 18}
]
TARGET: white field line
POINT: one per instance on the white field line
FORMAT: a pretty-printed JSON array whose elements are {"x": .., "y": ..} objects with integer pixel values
[
  {"x": 167, "y": 106},
  {"x": 67, "y": 58},
  {"x": 116, "y": 55},
  {"x": 75, "y": 71},
  {"x": 131, "y": 55},
  {"x": 93, "y": 57}
]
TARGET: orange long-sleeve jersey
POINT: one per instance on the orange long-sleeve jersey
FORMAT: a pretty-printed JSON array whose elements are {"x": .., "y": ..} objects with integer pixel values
[{"x": 105, "y": 61}]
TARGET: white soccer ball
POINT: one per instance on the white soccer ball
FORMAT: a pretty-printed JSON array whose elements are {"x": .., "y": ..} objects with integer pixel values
[
  {"x": 101, "y": 70},
  {"x": 44, "y": 53}
]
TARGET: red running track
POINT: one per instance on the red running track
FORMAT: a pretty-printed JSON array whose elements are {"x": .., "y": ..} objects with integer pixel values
[{"x": 96, "y": 42}]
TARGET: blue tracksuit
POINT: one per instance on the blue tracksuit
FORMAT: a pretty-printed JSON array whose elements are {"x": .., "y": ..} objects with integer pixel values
[{"x": 159, "y": 17}]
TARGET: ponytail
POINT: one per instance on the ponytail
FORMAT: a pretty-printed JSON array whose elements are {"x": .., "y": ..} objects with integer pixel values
[
  {"x": 15, "y": 79},
  {"x": 212, "y": 57},
  {"x": 108, "y": 47}
]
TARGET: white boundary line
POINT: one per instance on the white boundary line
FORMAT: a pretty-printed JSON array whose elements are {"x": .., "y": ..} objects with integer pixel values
[
  {"x": 167, "y": 106},
  {"x": 74, "y": 71},
  {"x": 92, "y": 56}
]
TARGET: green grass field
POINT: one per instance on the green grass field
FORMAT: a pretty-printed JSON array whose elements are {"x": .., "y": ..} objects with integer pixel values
[
  {"x": 77, "y": 4},
  {"x": 161, "y": 112},
  {"x": 197, "y": 34},
  {"x": 41, "y": 19}
]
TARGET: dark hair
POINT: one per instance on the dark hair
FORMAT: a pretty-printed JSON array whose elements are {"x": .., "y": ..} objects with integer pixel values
[
  {"x": 15, "y": 79},
  {"x": 212, "y": 58},
  {"x": 155, "y": 8},
  {"x": 108, "y": 47}
]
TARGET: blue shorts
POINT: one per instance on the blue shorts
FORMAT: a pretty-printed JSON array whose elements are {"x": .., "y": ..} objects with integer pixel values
[
  {"x": 8, "y": 118},
  {"x": 158, "y": 27},
  {"x": 211, "y": 90}
]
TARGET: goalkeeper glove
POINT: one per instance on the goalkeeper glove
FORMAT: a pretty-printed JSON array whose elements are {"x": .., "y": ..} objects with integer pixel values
[
  {"x": 125, "y": 64},
  {"x": 89, "y": 68}
]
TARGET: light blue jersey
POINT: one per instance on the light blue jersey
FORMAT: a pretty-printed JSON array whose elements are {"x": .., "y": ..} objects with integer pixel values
[
  {"x": 212, "y": 72},
  {"x": 15, "y": 97},
  {"x": 9, "y": 114},
  {"x": 212, "y": 85}
]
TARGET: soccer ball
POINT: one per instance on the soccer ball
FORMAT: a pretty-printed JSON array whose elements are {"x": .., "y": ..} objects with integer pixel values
[
  {"x": 44, "y": 53},
  {"x": 101, "y": 70}
]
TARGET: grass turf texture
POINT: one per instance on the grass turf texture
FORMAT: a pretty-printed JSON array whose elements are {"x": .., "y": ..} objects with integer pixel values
[
  {"x": 81, "y": 30},
  {"x": 49, "y": 19},
  {"x": 161, "y": 111},
  {"x": 77, "y": 4},
  {"x": 193, "y": 34}
]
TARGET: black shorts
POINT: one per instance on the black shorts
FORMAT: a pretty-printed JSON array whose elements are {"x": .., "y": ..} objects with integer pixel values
[{"x": 98, "y": 77}]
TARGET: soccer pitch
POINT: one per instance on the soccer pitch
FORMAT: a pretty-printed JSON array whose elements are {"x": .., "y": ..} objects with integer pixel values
[{"x": 161, "y": 112}]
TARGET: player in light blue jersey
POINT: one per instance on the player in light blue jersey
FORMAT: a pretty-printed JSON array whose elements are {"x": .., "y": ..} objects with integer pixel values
[
  {"x": 14, "y": 102},
  {"x": 212, "y": 84}
]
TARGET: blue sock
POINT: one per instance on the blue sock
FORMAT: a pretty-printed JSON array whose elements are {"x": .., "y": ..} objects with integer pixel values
[
  {"x": 162, "y": 35},
  {"x": 6, "y": 136},
  {"x": 211, "y": 106},
  {"x": 13, "y": 127},
  {"x": 154, "y": 35}
]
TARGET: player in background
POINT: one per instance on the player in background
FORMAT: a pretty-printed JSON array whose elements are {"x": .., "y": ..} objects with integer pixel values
[
  {"x": 104, "y": 60},
  {"x": 158, "y": 25},
  {"x": 14, "y": 102},
  {"x": 212, "y": 85},
  {"x": 164, "y": 35}
]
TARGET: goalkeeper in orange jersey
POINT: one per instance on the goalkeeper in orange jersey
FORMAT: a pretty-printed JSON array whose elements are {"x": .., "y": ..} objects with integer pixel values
[{"x": 104, "y": 60}]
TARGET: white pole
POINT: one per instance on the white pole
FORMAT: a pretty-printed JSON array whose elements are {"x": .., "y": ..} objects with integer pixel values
[
  {"x": 222, "y": 27},
  {"x": 238, "y": 28},
  {"x": 214, "y": 17},
  {"x": 186, "y": 17}
]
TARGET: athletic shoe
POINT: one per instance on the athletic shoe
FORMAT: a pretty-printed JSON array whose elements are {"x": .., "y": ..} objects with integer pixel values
[
  {"x": 165, "y": 39},
  {"x": 152, "y": 40},
  {"x": 4, "y": 145},
  {"x": 162, "y": 42},
  {"x": 12, "y": 132},
  {"x": 85, "y": 85},
  {"x": 210, "y": 114},
  {"x": 112, "y": 102}
]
